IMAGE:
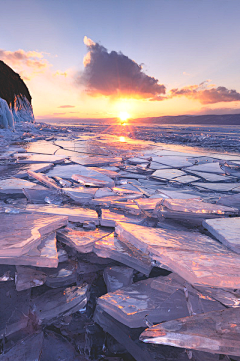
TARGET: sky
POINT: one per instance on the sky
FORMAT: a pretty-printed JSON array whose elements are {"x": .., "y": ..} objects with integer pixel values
[{"x": 147, "y": 58}]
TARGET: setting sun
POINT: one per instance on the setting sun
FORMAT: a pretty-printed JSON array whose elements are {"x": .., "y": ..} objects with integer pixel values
[{"x": 123, "y": 116}]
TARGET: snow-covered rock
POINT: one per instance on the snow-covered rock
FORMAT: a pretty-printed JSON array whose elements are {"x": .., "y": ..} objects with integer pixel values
[{"x": 22, "y": 109}]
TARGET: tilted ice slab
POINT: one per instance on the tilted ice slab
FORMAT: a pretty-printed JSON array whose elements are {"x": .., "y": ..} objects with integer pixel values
[
  {"x": 109, "y": 173},
  {"x": 111, "y": 247},
  {"x": 109, "y": 219},
  {"x": 27, "y": 277},
  {"x": 80, "y": 195},
  {"x": 96, "y": 160},
  {"x": 154, "y": 299},
  {"x": 39, "y": 167},
  {"x": 148, "y": 204},
  {"x": 92, "y": 182},
  {"x": 40, "y": 255},
  {"x": 173, "y": 161},
  {"x": 58, "y": 302},
  {"x": 43, "y": 178},
  {"x": 197, "y": 258},
  {"x": 226, "y": 230},
  {"x": 74, "y": 214},
  {"x": 168, "y": 174},
  {"x": 20, "y": 232},
  {"x": 117, "y": 277},
  {"x": 208, "y": 168},
  {"x": 216, "y": 332},
  {"x": 26, "y": 158},
  {"x": 218, "y": 187},
  {"x": 81, "y": 240},
  {"x": 153, "y": 239},
  {"x": 15, "y": 186},
  {"x": 212, "y": 177},
  {"x": 185, "y": 179},
  {"x": 197, "y": 207}
]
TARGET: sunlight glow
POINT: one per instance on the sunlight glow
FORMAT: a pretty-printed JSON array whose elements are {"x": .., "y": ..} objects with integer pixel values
[
  {"x": 123, "y": 116},
  {"x": 122, "y": 139}
]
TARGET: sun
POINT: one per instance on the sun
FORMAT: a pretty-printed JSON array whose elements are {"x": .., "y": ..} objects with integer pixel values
[{"x": 123, "y": 116}]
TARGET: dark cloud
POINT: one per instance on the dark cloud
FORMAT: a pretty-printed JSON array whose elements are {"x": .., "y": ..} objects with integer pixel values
[
  {"x": 207, "y": 95},
  {"x": 114, "y": 74},
  {"x": 67, "y": 106}
]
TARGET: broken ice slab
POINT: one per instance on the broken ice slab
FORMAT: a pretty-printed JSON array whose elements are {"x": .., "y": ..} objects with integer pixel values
[
  {"x": 96, "y": 160},
  {"x": 208, "y": 168},
  {"x": 43, "y": 178},
  {"x": 74, "y": 214},
  {"x": 212, "y": 177},
  {"x": 27, "y": 349},
  {"x": 80, "y": 239},
  {"x": 92, "y": 182},
  {"x": 16, "y": 185},
  {"x": 92, "y": 174},
  {"x": 104, "y": 192},
  {"x": 63, "y": 182},
  {"x": 150, "y": 300},
  {"x": 138, "y": 160},
  {"x": 156, "y": 166},
  {"x": 28, "y": 158},
  {"x": 175, "y": 194},
  {"x": 117, "y": 277},
  {"x": 202, "y": 268},
  {"x": 42, "y": 167},
  {"x": 41, "y": 147},
  {"x": 226, "y": 230},
  {"x": 148, "y": 204},
  {"x": 126, "y": 207},
  {"x": 41, "y": 255},
  {"x": 179, "y": 208},
  {"x": 168, "y": 174},
  {"x": 128, "y": 338},
  {"x": 65, "y": 275},
  {"x": 58, "y": 302},
  {"x": 173, "y": 161},
  {"x": 80, "y": 195},
  {"x": 109, "y": 173},
  {"x": 230, "y": 200},
  {"x": 111, "y": 247},
  {"x": 123, "y": 174},
  {"x": 106, "y": 201},
  {"x": 65, "y": 170},
  {"x": 215, "y": 332},
  {"x": 218, "y": 187},
  {"x": 159, "y": 240},
  {"x": 109, "y": 219},
  {"x": 229, "y": 298},
  {"x": 27, "y": 277},
  {"x": 20, "y": 232},
  {"x": 190, "y": 254},
  {"x": 14, "y": 308},
  {"x": 38, "y": 196},
  {"x": 185, "y": 179}
]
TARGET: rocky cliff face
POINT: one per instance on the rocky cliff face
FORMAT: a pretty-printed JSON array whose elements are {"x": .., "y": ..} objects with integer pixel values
[{"x": 15, "y": 92}]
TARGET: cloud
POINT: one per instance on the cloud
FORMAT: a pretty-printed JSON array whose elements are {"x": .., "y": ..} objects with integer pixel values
[
  {"x": 206, "y": 95},
  {"x": 28, "y": 64},
  {"x": 58, "y": 113},
  {"x": 67, "y": 106},
  {"x": 114, "y": 75}
]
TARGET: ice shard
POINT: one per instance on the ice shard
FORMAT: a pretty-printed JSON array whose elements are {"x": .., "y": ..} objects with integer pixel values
[
  {"x": 16, "y": 185},
  {"x": 168, "y": 174},
  {"x": 19, "y": 233},
  {"x": 58, "y": 302},
  {"x": 30, "y": 158},
  {"x": 14, "y": 309},
  {"x": 79, "y": 239},
  {"x": 74, "y": 214},
  {"x": 161, "y": 298},
  {"x": 111, "y": 247},
  {"x": 109, "y": 219},
  {"x": 80, "y": 195},
  {"x": 43, "y": 178},
  {"x": 117, "y": 277},
  {"x": 27, "y": 277},
  {"x": 226, "y": 230},
  {"x": 215, "y": 332}
]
